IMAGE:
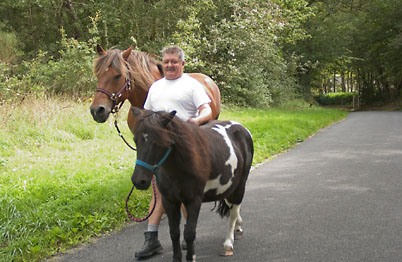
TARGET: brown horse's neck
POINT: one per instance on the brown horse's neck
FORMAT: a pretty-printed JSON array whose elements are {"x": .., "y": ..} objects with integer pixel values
[{"x": 138, "y": 94}]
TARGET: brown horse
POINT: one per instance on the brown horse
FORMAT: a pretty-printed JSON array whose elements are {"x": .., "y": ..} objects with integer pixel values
[{"x": 127, "y": 75}]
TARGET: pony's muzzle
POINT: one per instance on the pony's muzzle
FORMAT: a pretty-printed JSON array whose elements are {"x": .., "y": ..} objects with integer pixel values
[{"x": 141, "y": 181}]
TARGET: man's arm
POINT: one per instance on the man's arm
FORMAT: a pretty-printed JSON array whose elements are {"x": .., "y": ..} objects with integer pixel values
[{"x": 205, "y": 114}]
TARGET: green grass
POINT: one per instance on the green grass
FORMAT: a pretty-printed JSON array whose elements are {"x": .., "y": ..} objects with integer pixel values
[
  {"x": 276, "y": 130},
  {"x": 64, "y": 178}
]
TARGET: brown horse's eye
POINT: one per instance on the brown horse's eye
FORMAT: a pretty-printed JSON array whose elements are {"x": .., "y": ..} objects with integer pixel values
[{"x": 117, "y": 77}]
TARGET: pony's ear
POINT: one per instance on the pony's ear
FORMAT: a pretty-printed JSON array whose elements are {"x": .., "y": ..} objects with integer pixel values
[
  {"x": 168, "y": 118},
  {"x": 136, "y": 111},
  {"x": 100, "y": 50},
  {"x": 127, "y": 52}
]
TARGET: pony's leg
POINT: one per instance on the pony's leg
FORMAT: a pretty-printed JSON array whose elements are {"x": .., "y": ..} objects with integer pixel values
[
  {"x": 229, "y": 240},
  {"x": 174, "y": 216},
  {"x": 238, "y": 232},
  {"x": 193, "y": 211}
]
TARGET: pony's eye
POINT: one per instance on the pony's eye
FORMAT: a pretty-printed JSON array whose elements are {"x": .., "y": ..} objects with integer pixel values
[{"x": 117, "y": 77}]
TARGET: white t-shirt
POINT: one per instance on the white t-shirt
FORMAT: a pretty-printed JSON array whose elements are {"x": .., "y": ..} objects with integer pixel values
[{"x": 184, "y": 94}]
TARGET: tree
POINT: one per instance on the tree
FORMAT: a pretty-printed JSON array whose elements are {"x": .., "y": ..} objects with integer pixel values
[{"x": 357, "y": 36}]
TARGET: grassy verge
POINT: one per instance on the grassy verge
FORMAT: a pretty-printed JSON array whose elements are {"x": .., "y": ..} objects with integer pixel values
[{"x": 64, "y": 178}]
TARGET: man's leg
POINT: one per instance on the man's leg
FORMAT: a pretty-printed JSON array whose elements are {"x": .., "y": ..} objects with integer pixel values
[{"x": 152, "y": 245}]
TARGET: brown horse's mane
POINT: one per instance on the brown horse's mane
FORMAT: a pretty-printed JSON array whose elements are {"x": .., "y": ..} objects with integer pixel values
[
  {"x": 190, "y": 143},
  {"x": 138, "y": 67}
]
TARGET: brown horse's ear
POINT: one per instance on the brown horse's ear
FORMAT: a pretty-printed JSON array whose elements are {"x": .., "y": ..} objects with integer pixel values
[
  {"x": 127, "y": 52},
  {"x": 136, "y": 111},
  {"x": 100, "y": 50},
  {"x": 168, "y": 118}
]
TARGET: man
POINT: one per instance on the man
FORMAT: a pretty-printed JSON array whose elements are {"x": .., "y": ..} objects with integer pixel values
[{"x": 180, "y": 92}]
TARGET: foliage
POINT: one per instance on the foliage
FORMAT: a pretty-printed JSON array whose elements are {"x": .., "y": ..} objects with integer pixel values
[
  {"x": 64, "y": 177},
  {"x": 9, "y": 50},
  {"x": 259, "y": 52},
  {"x": 240, "y": 47},
  {"x": 340, "y": 98},
  {"x": 70, "y": 74},
  {"x": 361, "y": 37}
]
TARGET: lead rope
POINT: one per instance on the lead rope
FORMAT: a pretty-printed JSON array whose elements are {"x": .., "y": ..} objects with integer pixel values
[
  {"x": 122, "y": 137},
  {"x": 131, "y": 191},
  {"x": 153, "y": 207}
]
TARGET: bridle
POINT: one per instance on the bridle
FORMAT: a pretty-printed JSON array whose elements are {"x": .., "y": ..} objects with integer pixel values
[
  {"x": 154, "y": 170},
  {"x": 116, "y": 106},
  {"x": 114, "y": 96}
]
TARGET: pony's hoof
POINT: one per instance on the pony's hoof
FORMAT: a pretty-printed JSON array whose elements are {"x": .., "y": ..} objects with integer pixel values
[
  {"x": 238, "y": 234},
  {"x": 227, "y": 251},
  {"x": 193, "y": 259}
]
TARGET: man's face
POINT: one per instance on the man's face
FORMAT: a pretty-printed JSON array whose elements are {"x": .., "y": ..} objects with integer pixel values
[{"x": 172, "y": 66}]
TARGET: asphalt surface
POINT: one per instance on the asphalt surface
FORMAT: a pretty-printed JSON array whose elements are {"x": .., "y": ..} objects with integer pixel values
[{"x": 335, "y": 197}]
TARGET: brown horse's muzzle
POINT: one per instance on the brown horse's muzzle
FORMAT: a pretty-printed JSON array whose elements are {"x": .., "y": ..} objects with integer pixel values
[{"x": 100, "y": 113}]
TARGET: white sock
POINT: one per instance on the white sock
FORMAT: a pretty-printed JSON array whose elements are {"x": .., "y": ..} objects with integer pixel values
[{"x": 153, "y": 228}]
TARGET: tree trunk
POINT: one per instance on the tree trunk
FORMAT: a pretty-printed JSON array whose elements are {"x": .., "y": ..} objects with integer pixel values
[
  {"x": 343, "y": 86},
  {"x": 351, "y": 81},
  {"x": 334, "y": 81}
]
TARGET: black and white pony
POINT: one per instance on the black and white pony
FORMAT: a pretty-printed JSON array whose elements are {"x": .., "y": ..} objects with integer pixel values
[{"x": 192, "y": 165}]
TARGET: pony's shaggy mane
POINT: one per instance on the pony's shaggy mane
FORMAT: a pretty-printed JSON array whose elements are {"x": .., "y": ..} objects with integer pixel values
[{"x": 137, "y": 68}]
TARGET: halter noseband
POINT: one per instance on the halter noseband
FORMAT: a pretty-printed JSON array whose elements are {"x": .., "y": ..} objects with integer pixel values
[{"x": 154, "y": 168}]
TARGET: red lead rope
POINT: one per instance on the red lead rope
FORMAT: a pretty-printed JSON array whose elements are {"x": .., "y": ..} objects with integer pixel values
[{"x": 153, "y": 207}]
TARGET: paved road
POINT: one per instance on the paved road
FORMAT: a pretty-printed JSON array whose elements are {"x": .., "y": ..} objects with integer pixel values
[{"x": 335, "y": 197}]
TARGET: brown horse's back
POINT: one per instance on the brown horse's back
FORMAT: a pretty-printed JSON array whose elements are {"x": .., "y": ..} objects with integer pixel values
[
  {"x": 212, "y": 90},
  {"x": 210, "y": 87}
]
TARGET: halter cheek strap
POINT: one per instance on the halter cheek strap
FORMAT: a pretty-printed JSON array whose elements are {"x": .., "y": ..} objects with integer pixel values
[
  {"x": 114, "y": 96},
  {"x": 154, "y": 168}
]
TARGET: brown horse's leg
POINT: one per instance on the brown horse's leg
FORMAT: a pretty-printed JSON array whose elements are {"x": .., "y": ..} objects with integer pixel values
[
  {"x": 193, "y": 211},
  {"x": 174, "y": 216}
]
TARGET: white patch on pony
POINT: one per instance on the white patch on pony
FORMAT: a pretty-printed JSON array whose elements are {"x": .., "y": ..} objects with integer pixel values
[
  {"x": 145, "y": 136},
  {"x": 216, "y": 184},
  {"x": 232, "y": 160},
  {"x": 107, "y": 69}
]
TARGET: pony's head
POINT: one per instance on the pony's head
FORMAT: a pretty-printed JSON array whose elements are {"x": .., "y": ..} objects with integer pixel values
[
  {"x": 112, "y": 72},
  {"x": 154, "y": 142}
]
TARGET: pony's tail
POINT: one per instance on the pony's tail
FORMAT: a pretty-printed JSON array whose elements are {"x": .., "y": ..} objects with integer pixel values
[{"x": 223, "y": 209}]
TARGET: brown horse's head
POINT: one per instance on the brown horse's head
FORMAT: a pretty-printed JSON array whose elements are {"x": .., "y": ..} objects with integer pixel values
[{"x": 112, "y": 72}]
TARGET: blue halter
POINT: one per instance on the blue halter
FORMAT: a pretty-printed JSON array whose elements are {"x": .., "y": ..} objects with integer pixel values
[{"x": 154, "y": 168}]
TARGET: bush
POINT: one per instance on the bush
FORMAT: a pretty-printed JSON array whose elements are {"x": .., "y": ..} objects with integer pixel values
[
  {"x": 239, "y": 49},
  {"x": 342, "y": 99},
  {"x": 69, "y": 74},
  {"x": 9, "y": 50}
]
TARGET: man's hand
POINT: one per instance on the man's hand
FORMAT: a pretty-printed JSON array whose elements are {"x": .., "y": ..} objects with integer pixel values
[{"x": 205, "y": 114}]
